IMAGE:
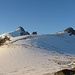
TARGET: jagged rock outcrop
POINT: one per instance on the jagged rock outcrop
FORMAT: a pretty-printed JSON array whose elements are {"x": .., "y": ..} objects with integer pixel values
[
  {"x": 20, "y": 28},
  {"x": 22, "y": 31},
  {"x": 3, "y": 40},
  {"x": 66, "y": 72},
  {"x": 70, "y": 30},
  {"x": 33, "y": 33}
]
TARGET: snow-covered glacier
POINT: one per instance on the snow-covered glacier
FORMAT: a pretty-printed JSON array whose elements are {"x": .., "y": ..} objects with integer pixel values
[{"x": 36, "y": 54}]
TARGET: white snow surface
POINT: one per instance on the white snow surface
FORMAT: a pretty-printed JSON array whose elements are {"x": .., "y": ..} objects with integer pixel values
[{"x": 37, "y": 54}]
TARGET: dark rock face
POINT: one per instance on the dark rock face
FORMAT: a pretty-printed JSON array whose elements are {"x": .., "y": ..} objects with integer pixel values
[
  {"x": 65, "y": 72},
  {"x": 34, "y": 33},
  {"x": 73, "y": 69},
  {"x": 23, "y": 32},
  {"x": 70, "y": 30},
  {"x": 21, "y": 28},
  {"x": 3, "y": 40}
]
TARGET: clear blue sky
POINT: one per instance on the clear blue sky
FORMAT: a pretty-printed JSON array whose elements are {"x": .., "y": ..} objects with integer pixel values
[{"x": 43, "y": 16}]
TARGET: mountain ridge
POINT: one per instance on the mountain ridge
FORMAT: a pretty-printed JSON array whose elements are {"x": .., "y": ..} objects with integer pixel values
[
  {"x": 36, "y": 54},
  {"x": 62, "y": 41}
]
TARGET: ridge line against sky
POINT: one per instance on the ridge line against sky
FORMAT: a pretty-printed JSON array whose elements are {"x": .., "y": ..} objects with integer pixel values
[{"x": 43, "y": 16}]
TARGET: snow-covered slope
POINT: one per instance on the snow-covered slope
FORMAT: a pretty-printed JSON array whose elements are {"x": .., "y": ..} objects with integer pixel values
[
  {"x": 37, "y": 54},
  {"x": 56, "y": 42},
  {"x": 18, "y": 32}
]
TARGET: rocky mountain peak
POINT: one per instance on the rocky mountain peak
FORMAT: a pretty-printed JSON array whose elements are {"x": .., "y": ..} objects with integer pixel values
[
  {"x": 21, "y": 28},
  {"x": 70, "y": 30}
]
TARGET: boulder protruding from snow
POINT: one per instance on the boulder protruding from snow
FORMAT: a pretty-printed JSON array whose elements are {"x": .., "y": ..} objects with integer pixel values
[
  {"x": 66, "y": 72},
  {"x": 3, "y": 40},
  {"x": 33, "y": 33},
  {"x": 70, "y": 30}
]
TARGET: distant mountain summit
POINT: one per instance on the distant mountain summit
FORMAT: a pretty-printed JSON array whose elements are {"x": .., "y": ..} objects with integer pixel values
[
  {"x": 20, "y": 28},
  {"x": 22, "y": 31},
  {"x": 18, "y": 32},
  {"x": 70, "y": 30}
]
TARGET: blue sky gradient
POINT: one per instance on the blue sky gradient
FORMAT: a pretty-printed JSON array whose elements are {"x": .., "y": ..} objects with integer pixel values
[{"x": 43, "y": 16}]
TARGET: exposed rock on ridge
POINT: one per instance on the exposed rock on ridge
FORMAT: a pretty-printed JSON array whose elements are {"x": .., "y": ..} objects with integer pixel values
[{"x": 70, "y": 30}]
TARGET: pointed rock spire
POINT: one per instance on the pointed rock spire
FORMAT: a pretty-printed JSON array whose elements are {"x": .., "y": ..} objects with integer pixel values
[{"x": 21, "y": 28}]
